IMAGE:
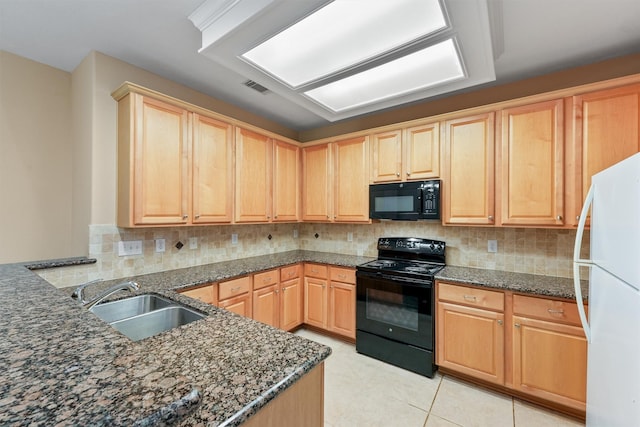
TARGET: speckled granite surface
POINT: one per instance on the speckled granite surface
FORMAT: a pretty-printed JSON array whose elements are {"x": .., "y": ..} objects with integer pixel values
[
  {"x": 66, "y": 367},
  {"x": 62, "y": 262},
  {"x": 518, "y": 282}
]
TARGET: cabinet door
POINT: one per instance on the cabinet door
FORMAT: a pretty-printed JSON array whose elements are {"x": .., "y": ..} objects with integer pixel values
[
  {"x": 286, "y": 182},
  {"x": 607, "y": 131},
  {"x": 550, "y": 361},
  {"x": 291, "y": 302},
  {"x": 266, "y": 305},
  {"x": 253, "y": 176},
  {"x": 421, "y": 159},
  {"x": 461, "y": 332},
  {"x": 316, "y": 183},
  {"x": 315, "y": 302},
  {"x": 351, "y": 175},
  {"x": 212, "y": 170},
  {"x": 161, "y": 163},
  {"x": 342, "y": 309},
  {"x": 531, "y": 165},
  {"x": 240, "y": 305},
  {"x": 468, "y": 185},
  {"x": 386, "y": 156}
]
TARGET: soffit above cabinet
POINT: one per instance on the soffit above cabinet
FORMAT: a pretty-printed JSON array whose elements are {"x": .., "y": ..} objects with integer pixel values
[{"x": 233, "y": 33}]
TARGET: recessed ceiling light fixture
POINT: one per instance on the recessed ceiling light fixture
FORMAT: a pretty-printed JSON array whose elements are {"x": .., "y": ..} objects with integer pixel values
[
  {"x": 425, "y": 68},
  {"x": 343, "y": 35}
]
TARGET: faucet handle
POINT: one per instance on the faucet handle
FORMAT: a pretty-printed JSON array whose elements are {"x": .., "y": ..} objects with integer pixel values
[{"x": 79, "y": 292}]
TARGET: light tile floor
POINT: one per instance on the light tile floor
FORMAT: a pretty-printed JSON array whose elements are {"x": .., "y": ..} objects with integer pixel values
[{"x": 361, "y": 391}]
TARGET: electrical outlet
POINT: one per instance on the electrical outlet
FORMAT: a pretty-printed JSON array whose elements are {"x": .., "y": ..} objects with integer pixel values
[
  {"x": 130, "y": 247},
  {"x": 234, "y": 239},
  {"x": 160, "y": 245},
  {"x": 349, "y": 237},
  {"x": 492, "y": 246},
  {"x": 193, "y": 243},
  {"x": 295, "y": 233}
]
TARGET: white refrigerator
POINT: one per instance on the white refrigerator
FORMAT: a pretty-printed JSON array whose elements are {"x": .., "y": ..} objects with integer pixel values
[{"x": 613, "y": 325}]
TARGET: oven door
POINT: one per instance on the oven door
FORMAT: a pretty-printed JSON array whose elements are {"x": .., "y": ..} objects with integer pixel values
[{"x": 396, "y": 308}]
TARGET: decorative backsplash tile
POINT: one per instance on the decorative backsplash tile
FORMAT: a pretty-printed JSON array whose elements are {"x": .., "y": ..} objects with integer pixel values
[{"x": 537, "y": 251}]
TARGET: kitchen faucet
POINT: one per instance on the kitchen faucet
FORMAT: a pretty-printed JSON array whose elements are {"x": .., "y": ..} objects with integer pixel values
[{"x": 79, "y": 292}]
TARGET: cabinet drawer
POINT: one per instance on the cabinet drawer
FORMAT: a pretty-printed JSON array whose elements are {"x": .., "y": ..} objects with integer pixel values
[
  {"x": 267, "y": 278},
  {"x": 344, "y": 275},
  {"x": 315, "y": 270},
  {"x": 471, "y": 296},
  {"x": 233, "y": 287},
  {"x": 546, "y": 309},
  {"x": 206, "y": 293},
  {"x": 290, "y": 272}
]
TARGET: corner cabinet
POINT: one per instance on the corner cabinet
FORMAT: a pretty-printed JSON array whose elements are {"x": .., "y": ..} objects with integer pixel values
[
  {"x": 335, "y": 186},
  {"x": 469, "y": 169}
]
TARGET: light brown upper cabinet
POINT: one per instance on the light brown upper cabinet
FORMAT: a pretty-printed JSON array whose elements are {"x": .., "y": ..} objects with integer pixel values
[
  {"x": 530, "y": 164},
  {"x": 351, "y": 175},
  {"x": 468, "y": 180},
  {"x": 286, "y": 182},
  {"x": 212, "y": 170},
  {"x": 400, "y": 155},
  {"x": 174, "y": 166},
  {"x": 607, "y": 130},
  {"x": 316, "y": 183},
  {"x": 253, "y": 176}
]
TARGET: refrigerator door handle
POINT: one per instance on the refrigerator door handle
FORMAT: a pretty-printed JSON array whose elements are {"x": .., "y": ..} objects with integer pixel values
[{"x": 578, "y": 262}]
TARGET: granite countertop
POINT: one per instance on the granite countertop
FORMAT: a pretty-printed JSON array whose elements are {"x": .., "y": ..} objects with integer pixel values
[
  {"x": 67, "y": 367},
  {"x": 559, "y": 287}
]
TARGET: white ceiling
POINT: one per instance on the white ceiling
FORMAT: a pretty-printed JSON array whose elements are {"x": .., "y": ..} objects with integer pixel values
[{"x": 539, "y": 36}]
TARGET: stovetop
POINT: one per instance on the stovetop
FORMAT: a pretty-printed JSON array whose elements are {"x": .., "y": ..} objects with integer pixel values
[{"x": 408, "y": 256}]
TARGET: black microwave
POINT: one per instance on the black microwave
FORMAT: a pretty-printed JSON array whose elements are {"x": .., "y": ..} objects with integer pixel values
[{"x": 409, "y": 201}]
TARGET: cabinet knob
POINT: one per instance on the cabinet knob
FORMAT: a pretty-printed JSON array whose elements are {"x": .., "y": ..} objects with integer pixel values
[
  {"x": 559, "y": 217},
  {"x": 276, "y": 291},
  {"x": 268, "y": 216},
  {"x": 275, "y": 216},
  {"x": 197, "y": 216},
  {"x": 397, "y": 173},
  {"x": 490, "y": 217},
  {"x": 335, "y": 216},
  {"x": 517, "y": 325},
  {"x": 283, "y": 289},
  {"x": 185, "y": 216},
  {"x": 408, "y": 173},
  {"x": 577, "y": 217},
  {"x": 500, "y": 322}
]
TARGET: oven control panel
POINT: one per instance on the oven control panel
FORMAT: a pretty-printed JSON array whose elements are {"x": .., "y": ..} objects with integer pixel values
[{"x": 411, "y": 244}]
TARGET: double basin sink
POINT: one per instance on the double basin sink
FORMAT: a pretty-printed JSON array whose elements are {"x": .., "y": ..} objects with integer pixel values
[{"x": 144, "y": 316}]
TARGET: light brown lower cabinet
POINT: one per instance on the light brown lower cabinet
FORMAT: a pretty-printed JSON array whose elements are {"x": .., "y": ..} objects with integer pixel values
[
  {"x": 277, "y": 303},
  {"x": 330, "y": 299},
  {"x": 235, "y": 295},
  {"x": 207, "y": 293},
  {"x": 529, "y": 346}
]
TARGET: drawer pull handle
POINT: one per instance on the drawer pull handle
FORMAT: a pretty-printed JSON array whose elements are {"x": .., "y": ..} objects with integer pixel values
[
  {"x": 237, "y": 288},
  {"x": 552, "y": 311},
  {"x": 266, "y": 280},
  {"x": 291, "y": 273},
  {"x": 342, "y": 276},
  {"x": 314, "y": 270},
  {"x": 469, "y": 298}
]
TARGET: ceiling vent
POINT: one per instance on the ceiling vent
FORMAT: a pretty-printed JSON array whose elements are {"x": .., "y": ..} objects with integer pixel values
[{"x": 256, "y": 86}]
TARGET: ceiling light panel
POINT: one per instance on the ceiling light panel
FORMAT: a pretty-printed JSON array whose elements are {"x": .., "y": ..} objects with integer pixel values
[
  {"x": 434, "y": 65},
  {"x": 342, "y": 34}
]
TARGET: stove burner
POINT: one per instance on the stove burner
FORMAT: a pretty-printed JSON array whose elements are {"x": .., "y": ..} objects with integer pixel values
[{"x": 383, "y": 263}]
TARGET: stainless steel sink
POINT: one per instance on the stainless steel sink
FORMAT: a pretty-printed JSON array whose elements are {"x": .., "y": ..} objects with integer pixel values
[
  {"x": 129, "y": 307},
  {"x": 144, "y": 316},
  {"x": 147, "y": 325}
]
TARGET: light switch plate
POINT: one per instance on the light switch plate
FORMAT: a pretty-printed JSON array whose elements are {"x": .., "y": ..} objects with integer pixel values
[
  {"x": 492, "y": 246},
  {"x": 193, "y": 243}
]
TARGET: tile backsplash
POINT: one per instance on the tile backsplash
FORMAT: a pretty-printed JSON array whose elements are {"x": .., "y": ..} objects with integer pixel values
[{"x": 537, "y": 251}]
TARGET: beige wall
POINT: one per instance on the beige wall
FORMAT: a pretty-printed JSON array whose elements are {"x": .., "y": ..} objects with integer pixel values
[{"x": 36, "y": 161}]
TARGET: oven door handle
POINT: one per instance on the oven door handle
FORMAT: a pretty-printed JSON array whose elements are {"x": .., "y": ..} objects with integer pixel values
[{"x": 398, "y": 279}]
